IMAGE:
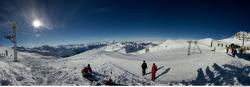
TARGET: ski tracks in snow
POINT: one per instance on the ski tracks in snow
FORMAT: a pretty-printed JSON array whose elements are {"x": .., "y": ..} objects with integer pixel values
[{"x": 122, "y": 76}]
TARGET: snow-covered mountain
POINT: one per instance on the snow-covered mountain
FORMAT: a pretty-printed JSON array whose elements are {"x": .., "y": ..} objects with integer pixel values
[
  {"x": 62, "y": 50},
  {"x": 73, "y": 49},
  {"x": 242, "y": 34},
  {"x": 128, "y": 47},
  {"x": 237, "y": 38}
]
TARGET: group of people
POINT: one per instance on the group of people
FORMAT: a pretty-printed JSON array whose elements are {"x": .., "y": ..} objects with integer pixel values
[
  {"x": 235, "y": 49},
  {"x": 153, "y": 70},
  {"x": 86, "y": 71},
  {"x": 5, "y": 54}
]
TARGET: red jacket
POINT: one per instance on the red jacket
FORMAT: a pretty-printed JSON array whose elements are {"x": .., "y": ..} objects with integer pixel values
[{"x": 154, "y": 68}]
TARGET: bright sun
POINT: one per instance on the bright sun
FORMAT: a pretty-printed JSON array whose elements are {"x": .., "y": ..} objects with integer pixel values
[{"x": 37, "y": 23}]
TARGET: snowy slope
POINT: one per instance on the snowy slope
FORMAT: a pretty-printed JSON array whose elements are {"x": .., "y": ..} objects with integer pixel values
[
  {"x": 175, "y": 66},
  {"x": 24, "y": 72},
  {"x": 34, "y": 69},
  {"x": 175, "y": 44}
]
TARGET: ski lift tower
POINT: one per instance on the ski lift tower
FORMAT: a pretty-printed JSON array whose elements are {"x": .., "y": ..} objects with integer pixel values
[
  {"x": 190, "y": 44},
  {"x": 12, "y": 37},
  {"x": 244, "y": 38}
]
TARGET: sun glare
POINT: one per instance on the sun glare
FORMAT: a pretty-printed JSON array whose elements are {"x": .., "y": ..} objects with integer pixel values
[{"x": 37, "y": 23}]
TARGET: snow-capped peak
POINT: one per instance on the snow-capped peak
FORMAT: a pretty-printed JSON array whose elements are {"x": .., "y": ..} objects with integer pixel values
[
  {"x": 238, "y": 38},
  {"x": 242, "y": 34}
]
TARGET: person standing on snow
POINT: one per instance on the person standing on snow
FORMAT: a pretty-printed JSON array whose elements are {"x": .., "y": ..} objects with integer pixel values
[
  {"x": 227, "y": 48},
  {"x": 234, "y": 52},
  {"x": 6, "y": 52},
  {"x": 144, "y": 67},
  {"x": 153, "y": 72}
]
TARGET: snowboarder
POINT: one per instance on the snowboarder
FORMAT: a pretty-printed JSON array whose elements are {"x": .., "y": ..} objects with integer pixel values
[
  {"x": 144, "y": 67},
  {"x": 153, "y": 72},
  {"x": 86, "y": 71},
  {"x": 6, "y": 52}
]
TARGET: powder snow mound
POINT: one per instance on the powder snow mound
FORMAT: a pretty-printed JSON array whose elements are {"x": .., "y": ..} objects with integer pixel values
[{"x": 30, "y": 70}]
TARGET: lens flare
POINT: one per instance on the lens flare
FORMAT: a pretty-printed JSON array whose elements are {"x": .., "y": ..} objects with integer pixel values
[{"x": 37, "y": 23}]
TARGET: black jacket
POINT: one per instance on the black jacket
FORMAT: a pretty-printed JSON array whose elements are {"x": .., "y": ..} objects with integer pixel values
[{"x": 144, "y": 66}]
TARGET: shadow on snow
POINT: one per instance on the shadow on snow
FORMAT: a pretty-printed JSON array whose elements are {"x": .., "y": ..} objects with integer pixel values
[
  {"x": 223, "y": 75},
  {"x": 156, "y": 70},
  {"x": 165, "y": 72}
]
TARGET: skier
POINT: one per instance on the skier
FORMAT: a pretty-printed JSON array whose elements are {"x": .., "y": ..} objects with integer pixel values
[
  {"x": 144, "y": 67},
  {"x": 153, "y": 72}
]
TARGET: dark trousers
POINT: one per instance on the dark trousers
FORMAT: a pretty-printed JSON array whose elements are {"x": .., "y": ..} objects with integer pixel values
[
  {"x": 153, "y": 76},
  {"x": 143, "y": 72}
]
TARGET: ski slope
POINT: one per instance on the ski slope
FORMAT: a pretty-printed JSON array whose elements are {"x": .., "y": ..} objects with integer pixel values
[{"x": 175, "y": 66}]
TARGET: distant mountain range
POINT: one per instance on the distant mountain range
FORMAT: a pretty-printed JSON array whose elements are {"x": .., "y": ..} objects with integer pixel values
[
  {"x": 73, "y": 49},
  {"x": 62, "y": 50},
  {"x": 122, "y": 47}
]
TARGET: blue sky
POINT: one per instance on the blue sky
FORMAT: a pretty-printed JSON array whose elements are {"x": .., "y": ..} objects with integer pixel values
[{"x": 81, "y": 21}]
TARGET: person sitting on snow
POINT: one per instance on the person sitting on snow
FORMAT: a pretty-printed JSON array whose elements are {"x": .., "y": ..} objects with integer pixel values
[{"x": 86, "y": 71}]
